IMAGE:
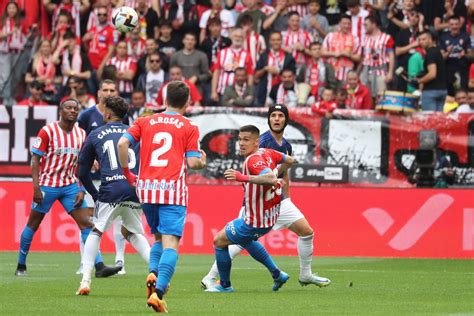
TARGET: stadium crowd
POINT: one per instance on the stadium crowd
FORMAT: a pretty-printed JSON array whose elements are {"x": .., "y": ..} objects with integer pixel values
[{"x": 323, "y": 54}]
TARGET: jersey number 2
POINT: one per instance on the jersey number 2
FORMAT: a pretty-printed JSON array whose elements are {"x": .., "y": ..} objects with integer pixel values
[
  {"x": 166, "y": 140},
  {"x": 109, "y": 147}
]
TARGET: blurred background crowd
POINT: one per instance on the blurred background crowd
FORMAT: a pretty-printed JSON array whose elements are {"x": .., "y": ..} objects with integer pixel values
[{"x": 323, "y": 54}]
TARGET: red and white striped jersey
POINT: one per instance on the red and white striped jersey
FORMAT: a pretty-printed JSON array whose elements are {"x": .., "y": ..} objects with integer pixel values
[
  {"x": 376, "y": 52},
  {"x": 291, "y": 38},
  {"x": 340, "y": 42},
  {"x": 358, "y": 26},
  {"x": 255, "y": 44},
  {"x": 94, "y": 20},
  {"x": 124, "y": 64},
  {"x": 300, "y": 8},
  {"x": 59, "y": 153},
  {"x": 166, "y": 139},
  {"x": 227, "y": 61},
  {"x": 275, "y": 59},
  {"x": 137, "y": 49},
  {"x": 262, "y": 202},
  {"x": 74, "y": 9}
]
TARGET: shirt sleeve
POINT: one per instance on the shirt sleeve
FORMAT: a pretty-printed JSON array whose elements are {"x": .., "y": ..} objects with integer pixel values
[
  {"x": 390, "y": 44},
  {"x": 256, "y": 165},
  {"x": 41, "y": 143},
  {"x": 133, "y": 66},
  {"x": 192, "y": 147},
  {"x": 133, "y": 134},
  {"x": 86, "y": 159},
  {"x": 203, "y": 20},
  {"x": 277, "y": 156},
  {"x": 249, "y": 65}
]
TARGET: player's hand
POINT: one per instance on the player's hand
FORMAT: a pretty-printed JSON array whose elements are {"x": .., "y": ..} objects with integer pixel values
[
  {"x": 95, "y": 166},
  {"x": 203, "y": 157},
  {"x": 37, "y": 196},
  {"x": 215, "y": 97},
  {"x": 230, "y": 174},
  {"x": 79, "y": 198},
  {"x": 131, "y": 177}
]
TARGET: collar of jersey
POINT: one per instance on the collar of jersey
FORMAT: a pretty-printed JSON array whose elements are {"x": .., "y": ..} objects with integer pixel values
[{"x": 170, "y": 112}]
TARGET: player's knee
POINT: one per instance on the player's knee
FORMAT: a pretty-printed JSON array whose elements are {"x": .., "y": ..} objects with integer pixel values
[
  {"x": 218, "y": 242},
  {"x": 306, "y": 231},
  {"x": 125, "y": 233},
  {"x": 96, "y": 231}
]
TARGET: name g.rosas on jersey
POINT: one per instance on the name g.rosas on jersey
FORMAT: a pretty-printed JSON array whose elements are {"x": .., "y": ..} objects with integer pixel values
[{"x": 167, "y": 120}]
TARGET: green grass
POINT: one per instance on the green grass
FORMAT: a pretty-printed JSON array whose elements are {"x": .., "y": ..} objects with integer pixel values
[{"x": 380, "y": 286}]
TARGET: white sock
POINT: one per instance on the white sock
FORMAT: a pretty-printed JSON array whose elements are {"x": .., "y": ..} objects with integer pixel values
[
  {"x": 119, "y": 241},
  {"x": 141, "y": 245},
  {"x": 234, "y": 250},
  {"x": 91, "y": 249},
  {"x": 81, "y": 246},
  {"x": 305, "y": 252}
]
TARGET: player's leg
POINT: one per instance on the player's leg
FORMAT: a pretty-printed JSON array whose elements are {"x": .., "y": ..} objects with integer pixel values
[
  {"x": 38, "y": 211},
  {"x": 156, "y": 250},
  {"x": 132, "y": 229},
  {"x": 119, "y": 245},
  {"x": 223, "y": 261},
  {"x": 90, "y": 210},
  {"x": 210, "y": 280}
]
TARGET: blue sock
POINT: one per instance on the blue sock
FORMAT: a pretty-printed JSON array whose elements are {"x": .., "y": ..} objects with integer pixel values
[
  {"x": 259, "y": 253},
  {"x": 25, "y": 243},
  {"x": 224, "y": 264},
  {"x": 84, "y": 234},
  {"x": 166, "y": 267},
  {"x": 155, "y": 256}
]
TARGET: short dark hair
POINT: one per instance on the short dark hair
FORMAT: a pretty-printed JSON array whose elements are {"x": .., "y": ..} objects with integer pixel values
[
  {"x": 177, "y": 94},
  {"x": 81, "y": 91},
  {"x": 252, "y": 129},
  {"x": 240, "y": 69},
  {"x": 109, "y": 73},
  {"x": 373, "y": 19},
  {"x": 288, "y": 70},
  {"x": 314, "y": 44},
  {"x": 345, "y": 16},
  {"x": 426, "y": 32},
  {"x": 454, "y": 17},
  {"x": 190, "y": 34},
  {"x": 352, "y": 3},
  {"x": 165, "y": 22},
  {"x": 117, "y": 105},
  {"x": 214, "y": 21},
  {"x": 245, "y": 19},
  {"x": 138, "y": 91},
  {"x": 275, "y": 32},
  {"x": 290, "y": 14},
  {"x": 107, "y": 81}
]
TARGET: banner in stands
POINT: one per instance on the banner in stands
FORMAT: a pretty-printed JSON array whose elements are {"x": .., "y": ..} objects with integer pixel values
[
  {"x": 378, "y": 148},
  {"x": 347, "y": 222}
]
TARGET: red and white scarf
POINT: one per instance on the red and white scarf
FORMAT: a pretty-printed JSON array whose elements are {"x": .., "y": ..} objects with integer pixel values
[
  {"x": 275, "y": 59},
  {"x": 76, "y": 64},
  {"x": 293, "y": 38},
  {"x": 240, "y": 90},
  {"x": 315, "y": 75},
  {"x": 286, "y": 97},
  {"x": 16, "y": 40},
  {"x": 48, "y": 71}
]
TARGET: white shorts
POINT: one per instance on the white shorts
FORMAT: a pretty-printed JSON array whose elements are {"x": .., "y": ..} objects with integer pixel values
[
  {"x": 131, "y": 213},
  {"x": 88, "y": 198},
  {"x": 289, "y": 214}
]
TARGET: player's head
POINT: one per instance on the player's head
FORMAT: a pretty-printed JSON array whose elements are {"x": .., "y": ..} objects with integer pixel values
[
  {"x": 107, "y": 88},
  {"x": 249, "y": 138},
  {"x": 69, "y": 110},
  {"x": 115, "y": 109},
  {"x": 278, "y": 118},
  {"x": 177, "y": 96}
]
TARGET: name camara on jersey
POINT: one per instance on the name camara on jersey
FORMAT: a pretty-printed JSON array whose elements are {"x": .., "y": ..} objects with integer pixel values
[{"x": 112, "y": 130}]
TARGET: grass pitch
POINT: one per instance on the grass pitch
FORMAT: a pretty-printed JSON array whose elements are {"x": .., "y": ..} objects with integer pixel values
[{"x": 379, "y": 286}]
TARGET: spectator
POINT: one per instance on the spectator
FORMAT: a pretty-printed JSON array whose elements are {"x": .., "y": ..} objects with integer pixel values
[
  {"x": 469, "y": 107},
  {"x": 341, "y": 98},
  {"x": 228, "y": 60},
  {"x": 74, "y": 63},
  {"x": 434, "y": 82},
  {"x": 177, "y": 74},
  {"x": 460, "y": 98},
  {"x": 342, "y": 49},
  {"x": 379, "y": 60},
  {"x": 85, "y": 99},
  {"x": 93, "y": 20},
  {"x": 269, "y": 67},
  {"x": 317, "y": 73},
  {"x": 69, "y": 89},
  {"x": 296, "y": 41},
  {"x": 192, "y": 62},
  {"x": 239, "y": 94},
  {"x": 315, "y": 24},
  {"x": 100, "y": 40},
  {"x": 150, "y": 47},
  {"x": 254, "y": 42},
  {"x": 278, "y": 20},
  {"x": 126, "y": 69},
  {"x": 12, "y": 40},
  {"x": 151, "y": 81},
  {"x": 63, "y": 24},
  {"x": 399, "y": 18},
  {"x": 326, "y": 105},
  {"x": 358, "y": 96},
  {"x": 406, "y": 45},
  {"x": 168, "y": 43},
  {"x": 358, "y": 15},
  {"x": 299, "y": 6},
  {"x": 183, "y": 16},
  {"x": 147, "y": 20},
  {"x": 136, "y": 46},
  {"x": 36, "y": 95},
  {"x": 252, "y": 10},
  {"x": 456, "y": 48},
  {"x": 287, "y": 92},
  {"x": 451, "y": 8},
  {"x": 75, "y": 9},
  {"x": 214, "y": 41},
  {"x": 416, "y": 68},
  {"x": 332, "y": 10},
  {"x": 45, "y": 68},
  {"x": 226, "y": 17},
  {"x": 137, "y": 106}
]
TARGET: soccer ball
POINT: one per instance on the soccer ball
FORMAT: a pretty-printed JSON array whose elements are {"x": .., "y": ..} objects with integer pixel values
[{"x": 124, "y": 19}]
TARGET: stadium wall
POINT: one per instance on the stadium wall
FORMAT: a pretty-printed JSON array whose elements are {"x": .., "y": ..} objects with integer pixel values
[{"x": 423, "y": 223}]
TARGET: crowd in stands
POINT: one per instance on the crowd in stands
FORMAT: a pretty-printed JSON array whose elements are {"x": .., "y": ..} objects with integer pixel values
[{"x": 320, "y": 54}]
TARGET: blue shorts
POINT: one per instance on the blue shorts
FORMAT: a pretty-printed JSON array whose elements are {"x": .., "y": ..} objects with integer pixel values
[
  {"x": 166, "y": 219},
  {"x": 240, "y": 233},
  {"x": 66, "y": 196}
]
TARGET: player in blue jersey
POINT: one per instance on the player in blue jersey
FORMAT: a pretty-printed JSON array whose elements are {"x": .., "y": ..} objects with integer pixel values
[
  {"x": 115, "y": 196},
  {"x": 89, "y": 120},
  {"x": 290, "y": 216}
]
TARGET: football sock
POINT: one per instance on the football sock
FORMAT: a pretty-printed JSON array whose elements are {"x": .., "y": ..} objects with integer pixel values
[
  {"x": 167, "y": 265},
  {"x": 119, "y": 241},
  {"x": 98, "y": 260},
  {"x": 224, "y": 264},
  {"x": 141, "y": 245},
  {"x": 81, "y": 246},
  {"x": 25, "y": 243},
  {"x": 259, "y": 253},
  {"x": 91, "y": 250},
  {"x": 234, "y": 250},
  {"x": 155, "y": 257},
  {"x": 305, "y": 253}
]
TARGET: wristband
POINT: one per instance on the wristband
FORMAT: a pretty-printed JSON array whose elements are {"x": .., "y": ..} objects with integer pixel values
[
  {"x": 131, "y": 178},
  {"x": 241, "y": 177}
]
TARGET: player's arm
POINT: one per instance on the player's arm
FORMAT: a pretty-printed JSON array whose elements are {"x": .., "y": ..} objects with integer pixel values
[
  {"x": 86, "y": 160},
  {"x": 35, "y": 163},
  {"x": 266, "y": 177},
  {"x": 195, "y": 158},
  {"x": 287, "y": 162},
  {"x": 122, "y": 148},
  {"x": 196, "y": 162}
]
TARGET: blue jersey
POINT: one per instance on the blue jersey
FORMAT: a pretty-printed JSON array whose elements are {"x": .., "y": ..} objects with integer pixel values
[
  {"x": 101, "y": 145},
  {"x": 267, "y": 141},
  {"x": 90, "y": 119}
]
